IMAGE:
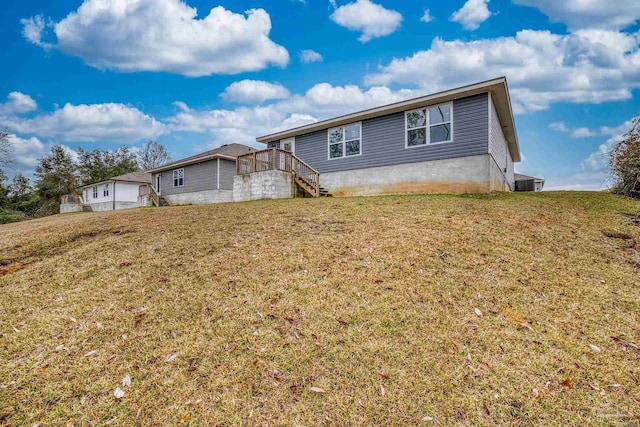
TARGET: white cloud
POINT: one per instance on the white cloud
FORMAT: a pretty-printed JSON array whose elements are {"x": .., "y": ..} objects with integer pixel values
[
  {"x": 371, "y": 19},
  {"x": 163, "y": 35},
  {"x": 559, "y": 126},
  {"x": 578, "y": 14},
  {"x": 598, "y": 161},
  {"x": 583, "y": 133},
  {"x": 472, "y": 14},
  {"x": 33, "y": 29},
  {"x": 86, "y": 123},
  {"x": 602, "y": 65},
  {"x": 254, "y": 91},
  {"x": 307, "y": 56},
  {"x": 27, "y": 152},
  {"x": 18, "y": 103},
  {"x": 244, "y": 124},
  {"x": 427, "y": 16}
]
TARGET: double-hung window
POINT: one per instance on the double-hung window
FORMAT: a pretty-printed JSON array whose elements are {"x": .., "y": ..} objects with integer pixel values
[
  {"x": 178, "y": 178},
  {"x": 105, "y": 190},
  {"x": 95, "y": 192},
  {"x": 429, "y": 125},
  {"x": 345, "y": 141}
]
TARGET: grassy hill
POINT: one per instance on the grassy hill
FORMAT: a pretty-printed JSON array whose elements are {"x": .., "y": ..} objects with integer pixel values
[{"x": 511, "y": 309}]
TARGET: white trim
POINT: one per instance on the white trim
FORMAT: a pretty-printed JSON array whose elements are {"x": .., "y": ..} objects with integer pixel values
[
  {"x": 291, "y": 140},
  {"x": 218, "y": 175},
  {"x": 427, "y": 127},
  {"x": 178, "y": 179},
  {"x": 344, "y": 142}
]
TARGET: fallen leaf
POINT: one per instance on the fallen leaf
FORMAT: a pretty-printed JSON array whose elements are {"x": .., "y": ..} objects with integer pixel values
[
  {"x": 185, "y": 417},
  {"x": 126, "y": 381},
  {"x": 171, "y": 357},
  {"x": 594, "y": 348},
  {"x": 615, "y": 385},
  {"x": 478, "y": 312},
  {"x": 486, "y": 409},
  {"x": 317, "y": 390},
  {"x": 73, "y": 319},
  {"x": 118, "y": 393},
  {"x": 16, "y": 330},
  {"x": 91, "y": 353},
  {"x": 427, "y": 418},
  {"x": 61, "y": 347},
  {"x": 44, "y": 368},
  {"x": 567, "y": 383},
  {"x": 536, "y": 393}
]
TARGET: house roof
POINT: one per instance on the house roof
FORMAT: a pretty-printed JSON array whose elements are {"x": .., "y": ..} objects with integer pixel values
[
  {"x": 497, "y": 87},
  {"x": 520, "y": 177},
  {"x": 227, "y": 151},
  {"x": 141, "y": 177}
]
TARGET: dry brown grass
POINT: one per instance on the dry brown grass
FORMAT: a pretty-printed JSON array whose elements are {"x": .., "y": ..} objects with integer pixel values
[{"x": 371, "y": 300}]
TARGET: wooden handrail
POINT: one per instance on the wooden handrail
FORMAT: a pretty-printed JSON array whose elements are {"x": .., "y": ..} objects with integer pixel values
[
  {"x": 279, "y": 159},
  {"x": 155, "y": 198}
]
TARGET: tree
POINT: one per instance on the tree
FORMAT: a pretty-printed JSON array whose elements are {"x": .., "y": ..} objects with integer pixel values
[
  {"x": 153, "y": 155},
  {"x": 20, "y": 187},
  {"x": 56, "y": 174},
  {"x": 625, "y": 163},
  {"x": 4, "y": 191},
  {"x": 6, "y": 148},
  {"x": 98, "y": 165}
]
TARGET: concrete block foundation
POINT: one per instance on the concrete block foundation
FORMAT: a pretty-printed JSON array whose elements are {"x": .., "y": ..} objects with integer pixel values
[
  {"x": 200, "y": 197},
  {"x": 457, "y": 175},
  {"x": 273, "y": 184}
]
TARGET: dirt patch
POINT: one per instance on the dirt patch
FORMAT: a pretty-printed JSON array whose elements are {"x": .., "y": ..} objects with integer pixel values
[
  {"x": 12, "y": 269},
  {"x": 617, "y": 235}
]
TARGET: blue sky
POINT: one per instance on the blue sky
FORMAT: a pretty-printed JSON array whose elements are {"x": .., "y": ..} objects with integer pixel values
[{"x": 195, "y": 75}]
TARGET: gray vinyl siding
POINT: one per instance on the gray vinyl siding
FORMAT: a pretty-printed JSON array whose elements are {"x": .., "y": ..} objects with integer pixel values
[
  {"x": 197, "y": 177},
  {"x": 227, "y": 172},
  {"x": 383, "y": 140},
  {"x": 498, "y": 147}
]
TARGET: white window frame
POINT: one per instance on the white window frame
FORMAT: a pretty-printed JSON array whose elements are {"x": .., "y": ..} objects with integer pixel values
[
  {"x": 94, "y": 192},
  {"x": 428, "y": 126},
  {"x": 344, "y": 141},
  {"x": 105, "y": 190},
  {"x": 175, "y": 171}
]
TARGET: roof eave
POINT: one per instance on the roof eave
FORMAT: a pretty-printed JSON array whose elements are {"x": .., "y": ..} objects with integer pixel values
[
  {"x": 498, "y": 87},
  {"x": 180, "y": 164}
]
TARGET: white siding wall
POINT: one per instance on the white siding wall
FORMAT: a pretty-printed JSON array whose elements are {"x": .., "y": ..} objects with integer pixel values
[
  {"x": 125, "y": 192},
  {"x": 498, "y": 146}
]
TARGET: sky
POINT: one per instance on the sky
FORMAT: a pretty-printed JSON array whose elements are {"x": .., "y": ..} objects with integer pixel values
[{"x": 197, "y": 74}]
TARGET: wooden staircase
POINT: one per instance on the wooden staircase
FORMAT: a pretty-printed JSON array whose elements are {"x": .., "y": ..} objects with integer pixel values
[
  {"x": 156, "y": 199},
  {"x": 305, "y": 177}
]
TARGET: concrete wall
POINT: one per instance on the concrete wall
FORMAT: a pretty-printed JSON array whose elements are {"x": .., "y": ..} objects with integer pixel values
[
  {"x": 458, "y": 175},
  {"x": 200, "y": 197},
  {"x": 70, "y": 207},
  {"x": 145, "y": 201},
  {"x": 383, "y": 140},
  {"x": 499, "y": 149},
  {"x": 108, "y": 206},
  {"x": 263, "y": 185}
]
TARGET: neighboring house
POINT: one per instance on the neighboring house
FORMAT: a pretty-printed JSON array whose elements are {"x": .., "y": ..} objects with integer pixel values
[
  {"x": 460, "y": 140},
  {"x": 121, "y": 192},
  {"x": 528, "y": 183},
  {"x": 200, "y": 179}
]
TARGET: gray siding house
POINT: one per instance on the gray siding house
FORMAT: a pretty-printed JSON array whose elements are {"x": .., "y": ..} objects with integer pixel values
[
  {"x": 201, "y": 179},
  {"x": 460, "y": 140}
]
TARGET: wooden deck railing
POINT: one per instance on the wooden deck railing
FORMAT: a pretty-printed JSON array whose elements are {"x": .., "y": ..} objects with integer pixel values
[
  {"x": 278, "y": 159},
  {"x": 155, "y": 198}
]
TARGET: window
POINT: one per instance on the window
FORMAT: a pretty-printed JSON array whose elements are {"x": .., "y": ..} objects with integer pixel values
[
  {"x": 95, "y": 192},
  {"x": 429, "y": 125},
  {"x": 105, "y": 191},
  {"x": 178, "y": 178},
  {"x": 345, "y": 141}
]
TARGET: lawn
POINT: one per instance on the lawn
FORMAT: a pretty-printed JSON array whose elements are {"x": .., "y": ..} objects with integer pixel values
[{"x": 436, "y": 310}]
